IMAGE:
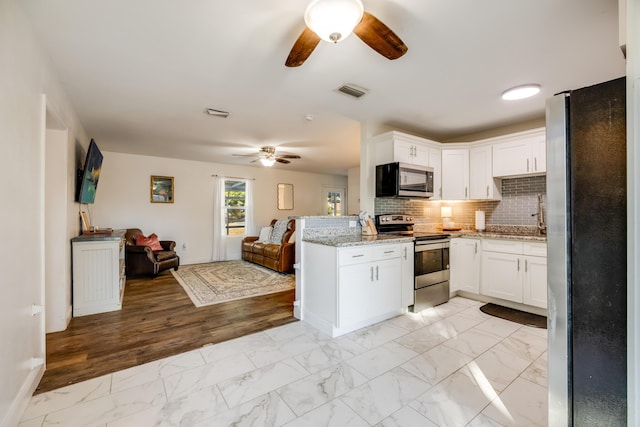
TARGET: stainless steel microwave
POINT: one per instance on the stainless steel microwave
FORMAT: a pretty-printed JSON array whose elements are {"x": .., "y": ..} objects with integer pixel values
[{"x": 404, "y": 180}]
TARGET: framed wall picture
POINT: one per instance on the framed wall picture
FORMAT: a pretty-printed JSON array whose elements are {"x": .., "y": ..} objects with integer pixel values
[{"x": 162, "y": 189}]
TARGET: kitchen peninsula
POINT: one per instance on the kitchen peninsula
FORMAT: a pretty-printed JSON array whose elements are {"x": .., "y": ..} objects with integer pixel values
[{"x": 347, "y": 281}]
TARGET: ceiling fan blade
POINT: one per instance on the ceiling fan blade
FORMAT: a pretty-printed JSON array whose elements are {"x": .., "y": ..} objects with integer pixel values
[
  {"x": 379, "y": 37},
  {"x": 302, "y": 48},
  {"x": 289, "y": 156},
  {"x": 246, "y": 155},
  {"x": 281, "y": 160}
]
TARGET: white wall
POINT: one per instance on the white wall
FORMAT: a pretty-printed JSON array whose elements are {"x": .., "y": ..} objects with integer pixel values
[
  {"x": 24, "y": 76},
  {"x": 353, "y": 191},
  {"x": 122, "y": 198}
]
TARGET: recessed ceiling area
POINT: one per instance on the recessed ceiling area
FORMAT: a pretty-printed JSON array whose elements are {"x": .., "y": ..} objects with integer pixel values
[{"x": 140, "y": 73}]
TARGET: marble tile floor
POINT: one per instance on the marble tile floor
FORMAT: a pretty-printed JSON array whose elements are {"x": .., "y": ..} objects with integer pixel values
[{"x": 451, "y": 365}]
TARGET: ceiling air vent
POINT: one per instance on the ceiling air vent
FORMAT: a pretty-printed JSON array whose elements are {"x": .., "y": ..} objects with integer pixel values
[{"x": 352, "y": 90}]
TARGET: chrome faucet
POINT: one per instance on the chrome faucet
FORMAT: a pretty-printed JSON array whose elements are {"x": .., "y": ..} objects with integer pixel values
[{"x": 542, "y": 227}]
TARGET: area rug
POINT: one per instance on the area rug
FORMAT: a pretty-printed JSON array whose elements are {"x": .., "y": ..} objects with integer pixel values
[
  {"x": 513, "y": 315},
  {"x": 216, "y": 282}
]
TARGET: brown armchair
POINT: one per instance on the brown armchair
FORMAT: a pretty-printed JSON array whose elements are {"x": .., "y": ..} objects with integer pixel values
[{"x": 142, "y": 260}]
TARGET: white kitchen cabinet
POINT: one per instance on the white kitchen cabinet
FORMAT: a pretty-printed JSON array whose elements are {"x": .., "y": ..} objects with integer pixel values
[
  {"x": 535, "y": 281},
  {"x": 515, "y": 271},
  {"x": 465, "y": 255},
  {"x": 408, "y": 152},
  {"x": 98, "y": 273},
  {"x": 401, "y": 147},
  {"x": 435, "y": 161},
  {"x": 455, "y": 174},
  {"x": 482, "y": 184},
  {"x": 407, "y": 257},
  {"x": 502, "y": 276},
  {"x": 347, "y": 288},
  {"x": 520, "y": 155}
]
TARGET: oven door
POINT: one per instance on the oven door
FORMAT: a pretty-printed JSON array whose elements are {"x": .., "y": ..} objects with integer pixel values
[{"x": 431, "y": 263}]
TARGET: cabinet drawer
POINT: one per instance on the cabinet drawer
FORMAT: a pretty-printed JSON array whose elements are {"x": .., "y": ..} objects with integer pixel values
[
  {"x": 504, "y": 246},
  {"x": 355, "y": 255},
  {"x": 534, "y": 248},
  {"x": 386, "y": 251}
]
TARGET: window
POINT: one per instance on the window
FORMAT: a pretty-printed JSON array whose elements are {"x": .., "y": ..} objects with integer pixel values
[{"x": 235, "y": 207}]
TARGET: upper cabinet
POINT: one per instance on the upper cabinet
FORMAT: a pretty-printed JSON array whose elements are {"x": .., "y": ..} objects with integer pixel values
[
  {"x": 482, "y": 184},
  {"x": 401, "y": 147},
  {"x": 520, "y": 155},
  {"x": 455, "y": 174}
]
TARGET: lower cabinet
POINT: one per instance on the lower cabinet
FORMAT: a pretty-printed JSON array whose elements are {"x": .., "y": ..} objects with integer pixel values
[
  {"x": 365, "y": 284},
  {"x": 98, "y": 273},
  {"x": 465, "y": 255},
  {"x": 515, "y": 271}
]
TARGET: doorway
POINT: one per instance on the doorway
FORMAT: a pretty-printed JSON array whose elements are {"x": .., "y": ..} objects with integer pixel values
[{"x": 334, "y": 201}]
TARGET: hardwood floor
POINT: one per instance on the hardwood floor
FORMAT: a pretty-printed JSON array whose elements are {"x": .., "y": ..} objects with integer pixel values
[{"x": 157, "y": 320}]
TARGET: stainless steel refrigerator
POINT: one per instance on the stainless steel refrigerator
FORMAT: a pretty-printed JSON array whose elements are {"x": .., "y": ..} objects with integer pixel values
[{"x": 586, "y": 213}]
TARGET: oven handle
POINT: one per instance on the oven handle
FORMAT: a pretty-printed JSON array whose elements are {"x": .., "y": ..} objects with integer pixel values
[{"x": 421, "y": 247}]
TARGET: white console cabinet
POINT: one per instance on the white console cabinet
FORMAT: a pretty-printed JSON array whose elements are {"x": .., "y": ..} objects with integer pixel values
[{"x": 98, "y": 273}]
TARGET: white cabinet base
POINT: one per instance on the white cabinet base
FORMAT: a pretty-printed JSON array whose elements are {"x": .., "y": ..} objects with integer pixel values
[{"x": 98, "y": 273}]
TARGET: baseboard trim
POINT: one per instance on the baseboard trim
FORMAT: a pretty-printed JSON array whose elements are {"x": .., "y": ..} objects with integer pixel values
[{"x": 21, "y": 401}]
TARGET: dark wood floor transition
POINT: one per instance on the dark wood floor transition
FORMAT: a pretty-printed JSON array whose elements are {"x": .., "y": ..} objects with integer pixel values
[{"x": 157, "y": 320}]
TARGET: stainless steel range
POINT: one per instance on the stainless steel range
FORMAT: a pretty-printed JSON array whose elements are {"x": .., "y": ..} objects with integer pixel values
[{"x": 431, "y": 259}]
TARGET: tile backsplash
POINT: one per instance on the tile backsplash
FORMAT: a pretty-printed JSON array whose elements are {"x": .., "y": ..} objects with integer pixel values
[{"x": 519, "y": 202}]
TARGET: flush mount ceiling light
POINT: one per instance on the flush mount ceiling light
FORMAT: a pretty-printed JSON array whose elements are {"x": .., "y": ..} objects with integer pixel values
[
  {"x": 521, "y": 92},
  {"x": 217, "y": 113},
  {"x": 333, "y": 20},
  {"x": 267, "y": 161}
]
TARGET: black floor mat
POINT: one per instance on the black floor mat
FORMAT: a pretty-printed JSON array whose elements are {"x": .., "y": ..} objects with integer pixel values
[{"x": 513, "y": 315}]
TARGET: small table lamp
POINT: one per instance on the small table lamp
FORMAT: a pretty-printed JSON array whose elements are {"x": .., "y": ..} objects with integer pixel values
[{"x": 445, "y": 213}]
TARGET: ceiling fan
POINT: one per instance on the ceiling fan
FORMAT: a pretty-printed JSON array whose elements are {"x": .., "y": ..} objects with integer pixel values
[
  {"x": 334, "y": 20},
  {"x": 268, "y": 156}
]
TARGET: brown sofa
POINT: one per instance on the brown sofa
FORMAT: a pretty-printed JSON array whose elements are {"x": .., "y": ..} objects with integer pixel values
[
  {"x": 279, "y": 257},
  {"x": 143, "y": 261}
]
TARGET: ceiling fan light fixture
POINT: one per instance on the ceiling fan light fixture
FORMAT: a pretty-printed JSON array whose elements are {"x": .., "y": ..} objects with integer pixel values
[
  {"x": 267, "y": 161},
  {"x": 333, "y": 20},
  {"x": 521, "y": 92}
]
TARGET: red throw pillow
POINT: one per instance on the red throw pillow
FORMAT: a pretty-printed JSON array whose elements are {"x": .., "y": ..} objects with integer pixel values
[{"x": 151, "y": 241}]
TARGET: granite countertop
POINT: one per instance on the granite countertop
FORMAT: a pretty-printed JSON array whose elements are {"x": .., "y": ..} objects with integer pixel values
[
  {"x": 535, "y": 237},
  {"x": 356, "y": 240}
]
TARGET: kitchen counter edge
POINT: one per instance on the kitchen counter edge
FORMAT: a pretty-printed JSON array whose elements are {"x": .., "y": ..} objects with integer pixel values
[
  {"x": 503, "y": 236},
  {"x": 349, "y": 241}
]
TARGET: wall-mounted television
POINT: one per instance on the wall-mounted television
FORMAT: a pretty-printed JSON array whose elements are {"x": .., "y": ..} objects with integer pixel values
[{"x": 89, "y": 176}]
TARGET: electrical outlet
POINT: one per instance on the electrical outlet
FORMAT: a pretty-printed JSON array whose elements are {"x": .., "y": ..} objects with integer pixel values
[{"x": 184, "y": 246}]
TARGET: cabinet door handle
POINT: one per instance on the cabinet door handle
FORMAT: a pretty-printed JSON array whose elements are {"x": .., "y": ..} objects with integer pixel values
[
  {"x": 526, "y": 265},
  {"x": 377, "y": 277},
  {"x": 518, "y": 264},
  {"x": 389, "y": 252},
  {"x": 527, "y": 165},
  {"x": 357, "y": 256},
  {"x": 372, "y": 273},
  {"x": 405, "y": 253},
  {"x": 535, "y": 164},
  {"x": 466, "y": 191},
  {"x": 475, "y": 251},
  {"x": 487, "y": 191}
]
